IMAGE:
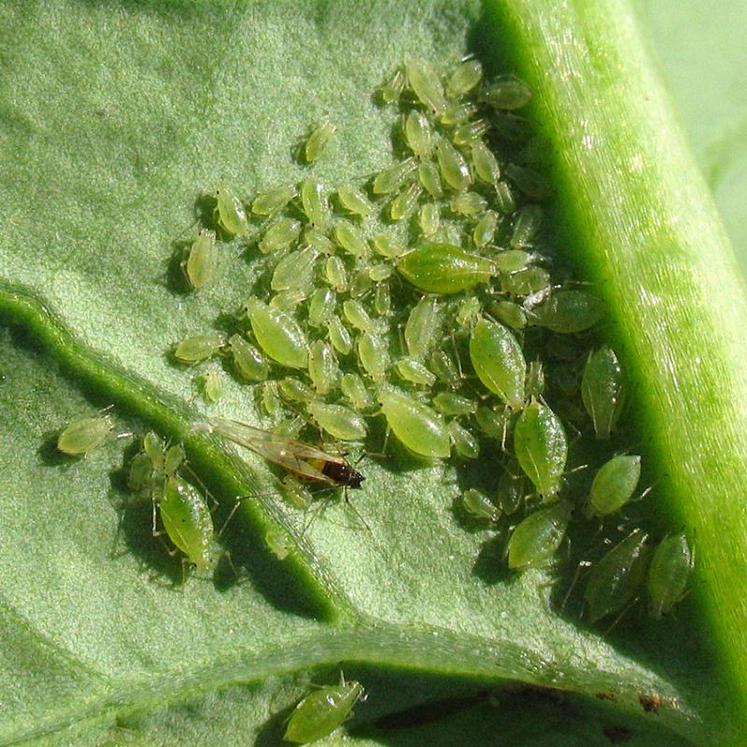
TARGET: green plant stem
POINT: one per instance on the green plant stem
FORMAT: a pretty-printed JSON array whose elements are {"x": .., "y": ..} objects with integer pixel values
[{"x": 647, "y": 234}]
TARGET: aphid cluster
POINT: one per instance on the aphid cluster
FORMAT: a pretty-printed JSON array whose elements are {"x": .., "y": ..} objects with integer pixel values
[{"x": 424, "y": 294}]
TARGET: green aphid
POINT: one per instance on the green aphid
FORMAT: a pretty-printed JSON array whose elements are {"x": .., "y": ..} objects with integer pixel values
[
  {"x": 289, "y": 428},
  {"x": 393, "y": 177},
  {"x": 426, "y": 84},
  {"x": 511, "y": 492},
  {"x": 533, "y": 184},
  {"x": 295, "y": 390},
  {"x": 468, "y": 203},
  {"x": 315, "y": 203},
  {"x": 295, "y": 270},
  {"x": 323, "y": 367},
  {"x": 249, "y": 363},
  {"x": 510, "y": 261},
  {"x": 295, "y": 493},
  {"x": 536, "y": 539},
  {"x": 464, "y": 78},
  {"x": 202, "y": 262},
  {"x": 493, "y": 423},
  {"x": 457, "y": 113},
  {"x": 615, "y": 580},
  {"x": 429, "y": 219},
  {"x": 468, "y": 311},
  {"x": 498, "y": 361},
  {"x": 418, "y": 134},
  {"x": 339, "y": 421},
  {"x": 445, "y": 367},
  {"x": 321, "y": 307},
  {"x": 354, "y": 390},
  {"x": 358, "y": 316},
  {"x": 454, "y": 169},
  {"x": 199, "y": 347},
  {"x": 230, "y": 213},
  {"x": 361, "y": 283},
  {"x": 569, "y": 311},
  {"x": 464, "y": 442},
  {"x": 322, "y": 243},
  {"x": 380, "y": 271},
  {"x": 270, "y": 399},
  {"x": 373, "y": 354},
  {"x": 339, "y": 336},
  {"x": 535, "y": 381},
  {"x": 350, "y": 239},
  {"x": 449, "y": 403},
  {"x": 469, "y": 133},
  {"x": 405, "y": 202},
  {"x": 392, "y": 89},
  {"x": 280, "y": 235},
  {"x": 321, "y": 712},
  {"x": 85, "y": 434},
  {"x": 485, "y": 163},
  {"x": 388, "y": 247},
  {"x": 418, "y": 427},
  {"x": 273, "y": 200},
  {"x": 423, "y": 326},
  {"x": 505, "y": 202},
  {"x": 430, "y": 179},
  {"x": 614, "y": 484},
  {"x": 336, "y": 274},
  {"x": 507, "y": 92},
  {"x": 279, "y": 543},
  {"x": 445, "y": 268},
  {"x": 526, "y": 226},
  {"x": 541, "y": 448},
  {"x": 212, "y": 386},
  {"x": 318, "y": 141},
  {"x": 412, "y": 370},
  {"x": 354, "y": 201},
  {"x": 668, "y": 575},
  {"x": 525, "y": 282},
  {"x": 484, "y": 231},
  {"x": 479, "y": 506},
  {"x": 603, "y": 391},
  {"x": 278, "y": 334},
  {"x": 288, "y": 300}
]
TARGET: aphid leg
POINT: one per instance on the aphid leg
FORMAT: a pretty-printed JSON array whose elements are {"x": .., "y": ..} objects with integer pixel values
[
  {"x": 625, "y": 611},
  {"x": 347, "y": 500},
  {"x": 235, "y": 507},
  {"x": 582, "y": 564}
]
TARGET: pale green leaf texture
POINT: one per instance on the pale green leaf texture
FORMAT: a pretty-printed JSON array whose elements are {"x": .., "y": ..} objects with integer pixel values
[{"x": 114, "y": 118}]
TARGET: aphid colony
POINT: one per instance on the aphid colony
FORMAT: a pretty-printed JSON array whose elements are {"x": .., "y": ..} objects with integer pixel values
[{"x": 423, "y": 294}]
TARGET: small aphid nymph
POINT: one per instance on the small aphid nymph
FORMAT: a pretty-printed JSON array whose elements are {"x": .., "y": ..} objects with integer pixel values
[{"x": 85, "y": 434}]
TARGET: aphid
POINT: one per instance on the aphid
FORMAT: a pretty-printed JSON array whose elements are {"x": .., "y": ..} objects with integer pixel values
[
  {"x": 380, "y": 271},
  {"x": 404, "y": 203},
  {"x": 464, "y": 78},
  {"x": 354, "y": 201},
  {"x": 511, "y": 491},
  {"x": 569, "y": 311},
  {"x": 249, "y": 362},
  {"x": 273, "y": 200},
  {"x": 412, "y": 370},
  {"x": 323, "y": 244},
  {"x": 493, "y": 423},
  {"x": 602, "y": 390},
  {"x": 535, "y": 382},
  {"x": 444, "y": 268},
  {"x": 295, "y": 390},
  {"x": 504, "y": 198},
  {"x": 454, "y": 169},
  {"x": 419, "y": 134},
  {"x": 430, "y": 179},
  {"x": 423, "y": 325},
  {"x": 541, "y": 447},
  {"x": 443, "y": 365},
  {"x": 299, "y": 458},
  {"x": 668, "y": 574},
  {"x": 278, "y": 334},
  {"x": 339, "y": 336},
  {"x": 468, "y": 311},
  {"x": 507, "y": 92},
  {"x": 336, "y": 274},
  {"x": 288, "y": 300},
  {"x": 323, "y": 367},
  {"x": 530, "y": 182},
  {"x": 202, "y": 261},
  {"x": 85, "y": 434},
  {"x": 512, "y": 260},
  {"x": 484, "y": 230},
  {"x": 321, "y": 712},
  {"x": 392, "y": 89},
  {"x": 358, "y": 316},
  {"x": 270, "y": 399},
  {"x": 318, "y": 141},
  {"x": 314, "y": 203},
  {"x": 426, "y": 84},
  {"x": 393, "y": 177},
  {"x": 199, "y": 348},
  {"x": 416, "y": 425},
  {"x": 469, "y": 133},
  {"x": 230, "y": 213},
  {"x": 289, "y": 428},
  {"x": 278, "y": 542},
  {"x": 386, "y": 246},
  {"x": 468, "y": 203},
  {"x": 281, "y": 234},
  {"x": 532, "y": 280},
  {"x": 350, "y": 239},
  {"x": 448, "y": 403},
  {"x": 429, "y": 219},
  {"x": 361, "y": 284},
  {"x": 486, "y": 164},
  {"x": 614, "y": 484},
  {"x": 321, "y": 307},
  {"x": 339, "y": 421},
  {"x": 457, "y": 113},
  {"x": 536, "y": 539},
  {"x": 498, "y": 361},
  {"x": 354, "y": 390},
  {"x": 465, "y": 443},
  {"x": 373, "y": 354},
  {"x": 479, "y": 506},
  {"x": 295, "y": 270},
  {"x": 212, "y": 386},
  {"x": 295, "y": 493},
  {"x": 615, "y": 579},
  {"x": 528, "y": 222}
]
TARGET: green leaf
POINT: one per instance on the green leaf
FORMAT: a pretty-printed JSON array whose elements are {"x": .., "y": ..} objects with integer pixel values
[{"x": 114, "y": 117}]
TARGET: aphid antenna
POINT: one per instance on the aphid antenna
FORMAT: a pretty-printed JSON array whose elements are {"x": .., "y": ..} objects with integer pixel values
[
  {"x": 580, "y": 566},
  {"x": 625, "y": 611}
]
